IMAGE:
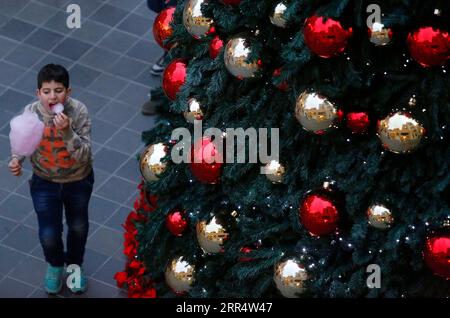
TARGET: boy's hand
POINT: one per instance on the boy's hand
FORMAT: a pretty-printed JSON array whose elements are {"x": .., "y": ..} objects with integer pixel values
[
  {"x": 62, "y": 122},
  {"x": 15, "y": 167}
]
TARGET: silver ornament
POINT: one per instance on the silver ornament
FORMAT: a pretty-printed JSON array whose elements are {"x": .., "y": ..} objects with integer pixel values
[
  {"x": 194, "y": 20},
  {"x": 236, "y": 54},
  {"x": 180, "y": 275},
  {"x": 379, "y": 216},
  {"x": 194, "y": 111},
  {"x": 274, "y": 171},
  {"x": 290, "y": 277},
  {"x": 315, "y": 113},
  {"x": 277, "y": 17},
  {"x": 151, "y": 164},
  {"x": 211, "y": 235},
  {"x": 379, "y": 35},
  {"x": 400, "y": 133}
]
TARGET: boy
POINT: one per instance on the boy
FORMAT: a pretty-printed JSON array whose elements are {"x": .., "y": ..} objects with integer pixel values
[{"x": 62, "y": 176}]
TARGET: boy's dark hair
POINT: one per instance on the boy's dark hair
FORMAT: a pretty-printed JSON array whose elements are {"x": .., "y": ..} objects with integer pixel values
[{"x": 53, "y": 72}]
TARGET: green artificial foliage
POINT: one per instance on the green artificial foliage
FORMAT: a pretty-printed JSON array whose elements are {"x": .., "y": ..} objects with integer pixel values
[{"x": 376, "y": 80}]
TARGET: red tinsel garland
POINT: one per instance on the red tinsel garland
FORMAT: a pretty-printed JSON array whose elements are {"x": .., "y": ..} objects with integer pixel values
[{"x": 134, "y": 276}]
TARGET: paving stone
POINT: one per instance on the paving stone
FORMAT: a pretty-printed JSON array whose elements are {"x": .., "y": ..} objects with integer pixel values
[
  {"x": 118, "y": 41},
  {"x": 93, "y": 102},
  {"x": 23, "y": 239},
  {"x": 55, "y": 3},
  {"x": 11, "y": 288},
  {"x": 135, "y": 24},
  {"x": 109, "y": 160},
  {"x": 9, "y": 260},
  {"x": 16, "y": 29},
  {"x": 109, "y": 15},
  {"x": 100, "y": 58},
  {"x": 90, "y": 31},
  {"x": 30, "y": 270},
  {"x": 27, "y": 83},
  {"x": 137, "y": 98},
  {"x": 145, "y": 51},
  {"x": 72, "y": 48},
  {"x": 100, "y": 209},
  {"x": 10, "y": 8},
  {"x": 16, "y": 207},
  {"x": 101, "y": 130},
  {"x": 44, "y": 39},
  {"x": 141, "y": 123},
  {"x": 105, "y": 241},
  {"x": 118, "y": 218},
  {"x": 10, "y": 73},
  {"x": 25, "y": 56},
  {"x": 126, "y": 141},
  {"x": 6, "y": 227},
  {"x": 117, "y": 189},
  {"x": 110, "y": 86},
  {"x": 82, "y": 76},
  {"x": 36, "y": 13},
  {"x": 108, "y": 270},
  {"x": 53, "y": 59},
  {"x": 58, "y": 23},
  {"x": 6, "y": 46}
]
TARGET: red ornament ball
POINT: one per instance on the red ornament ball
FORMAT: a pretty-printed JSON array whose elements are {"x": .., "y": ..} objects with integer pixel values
[
  {"x": 436, "y": 253},
  {"x": 232, "y": 2},
  {"x": 203, "y": 161},
  {"x": 245, "y": 250},
  {"x": 162, "y": 28},
  {"x": 358, "y": 122},
  {"x": 325, "y": 38},
  {"x": 319, "y": 214},
  {"x": 174, "y": 77},
  {"x": 429, "y": 46},
  {"x": 215, "y": 46},
  {"x": 283, "y": 86},
  {"x": 176, "y": 222}
]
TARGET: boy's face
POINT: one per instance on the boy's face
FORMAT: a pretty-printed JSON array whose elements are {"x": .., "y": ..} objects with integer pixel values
[{"x": 52, "y": 93}]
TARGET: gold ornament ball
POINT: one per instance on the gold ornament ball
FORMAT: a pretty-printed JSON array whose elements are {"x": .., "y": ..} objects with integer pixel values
[
  {"x": 277, "y": 17},
  {"x": 290, "y": 278},
  {"x": 400, "y": 133},
  {"x": 379, "y": 35},
  {"x": 180, "y": 275},
  {"x": 315, "y": 113},
  {"x": 211, "y": 235},
  {"x": 236, "y": 54},
  {"x": 379, "y": 216},
  {"x": 151, "y": 164},
  {"x": 194, "y": 111},
  {"x": 274, "y": 171},
  {"x": 194, "y": 21}
]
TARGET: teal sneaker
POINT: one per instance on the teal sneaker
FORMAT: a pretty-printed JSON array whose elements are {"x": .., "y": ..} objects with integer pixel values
[
  {"x": 82, "y": 286},
  {"x": 53, "y": 279}
]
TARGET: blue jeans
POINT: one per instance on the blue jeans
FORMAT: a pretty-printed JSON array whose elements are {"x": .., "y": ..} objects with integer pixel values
[{"x": 49, "y": 198}]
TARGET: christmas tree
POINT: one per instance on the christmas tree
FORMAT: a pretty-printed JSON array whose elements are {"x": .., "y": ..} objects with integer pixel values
[{"x": 358, "y": 202}]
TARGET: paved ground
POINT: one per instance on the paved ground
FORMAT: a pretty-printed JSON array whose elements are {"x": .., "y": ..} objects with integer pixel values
[{"x": 109, "y": 60}]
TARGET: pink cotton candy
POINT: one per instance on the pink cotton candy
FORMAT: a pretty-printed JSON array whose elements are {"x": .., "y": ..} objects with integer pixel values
[
  {"x": 58, "y": 108},
  {"x": 26, "y": 133}
]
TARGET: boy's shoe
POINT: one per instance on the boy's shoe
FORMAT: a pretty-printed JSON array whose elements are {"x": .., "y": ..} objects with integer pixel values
[
  {"x": 53, "y": 279},
  {"x": 158, "y": 67},
  {"x": 83, "y": 284}
]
